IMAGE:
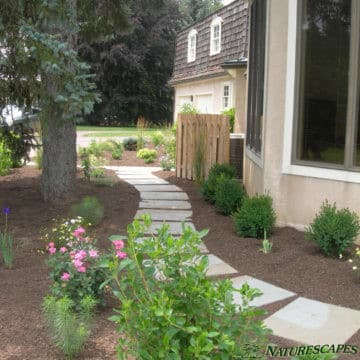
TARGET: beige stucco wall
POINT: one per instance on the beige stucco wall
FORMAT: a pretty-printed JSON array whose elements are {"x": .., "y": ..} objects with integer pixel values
[
  {"x": 296, "y": 198},
  {"x": 214, "y": 86}
]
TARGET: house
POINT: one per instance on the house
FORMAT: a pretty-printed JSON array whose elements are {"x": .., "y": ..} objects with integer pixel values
[
  {"x": 210, "y": 63},
  {"x": 303, "y": 133}
]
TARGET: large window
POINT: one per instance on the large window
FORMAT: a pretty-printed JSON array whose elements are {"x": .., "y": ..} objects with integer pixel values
[
  {"x": 192, "y": 45},
  {"x": 327, "y": 132},
  {"x": 256, "y": 75},
  {"x": 215, "y": 36}
]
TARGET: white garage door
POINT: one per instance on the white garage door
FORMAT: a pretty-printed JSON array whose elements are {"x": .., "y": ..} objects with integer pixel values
[{"x": 204, "y": 103}]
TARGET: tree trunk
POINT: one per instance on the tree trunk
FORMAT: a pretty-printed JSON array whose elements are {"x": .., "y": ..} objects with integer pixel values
[{"x": 59, "y": 158}]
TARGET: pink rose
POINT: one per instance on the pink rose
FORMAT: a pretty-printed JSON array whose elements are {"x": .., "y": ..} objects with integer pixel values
[
  {"x": 81, "y": 269},
  {"x": 50, "y": 245},
  {"x": 79, "y": 231},
  {"x": 93, "y": 253},
  {"x": 52, "y": 250},
  {"x": 63, "y": 249},
  {"x": 65, "y": 276},
  {"x": 121, "y": 255},
  {"x": 119, "y": 244},
  {"x": 77, "y": 263},
  {"x": 80, "y": 255}
]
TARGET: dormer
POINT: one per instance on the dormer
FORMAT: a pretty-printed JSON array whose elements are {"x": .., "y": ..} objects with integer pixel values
[{"x": 215, "y": 36}]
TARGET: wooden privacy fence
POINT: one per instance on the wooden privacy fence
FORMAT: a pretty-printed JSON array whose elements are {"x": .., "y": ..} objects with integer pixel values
[{"x": 201, "y": 141}]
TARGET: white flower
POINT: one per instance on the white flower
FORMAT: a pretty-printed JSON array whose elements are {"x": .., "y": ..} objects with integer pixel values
[
  {"x": 350, "y": 261},
  {"x": 340, "y": 256},
  {"x": 72, "y": 221},
  {"x": 354, "y": 267}
]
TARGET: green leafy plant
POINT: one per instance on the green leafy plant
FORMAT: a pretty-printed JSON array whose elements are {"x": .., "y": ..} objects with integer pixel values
[
  {"x": 130, "y": 143},
  {"x": 333, "y": 230},
  {"x": 229, "y": 195},
  {"x": 255, "y": 216},
  {"x": 158, "y": 138},
  {"x": 116, "y": 154},
  {"x": 5, "y": 159},
  {"x": 6, "y": 242},
  {"x": 85, "y": 162},
  {"x": 89, "y": 209},
  {"x": 75, "y": 268},
  {"x": 166, "y": 163},
  {"x": 266, "y": 244},
  {"x": 70, "y": 329},
  {"x": 208, "y": 188},
  {"x": 170, "y": 309},
  {"x": 231, "y": 113},
  {"x": 148, "y": 155},
  {"x": 188, "y": 108}
]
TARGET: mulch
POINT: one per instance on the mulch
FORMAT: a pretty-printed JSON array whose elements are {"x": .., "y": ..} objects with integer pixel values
[{"x": 294, "y": 263}]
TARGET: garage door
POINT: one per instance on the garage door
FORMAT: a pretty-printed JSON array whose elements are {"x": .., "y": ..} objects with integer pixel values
[{"x": 204, "y": 103}]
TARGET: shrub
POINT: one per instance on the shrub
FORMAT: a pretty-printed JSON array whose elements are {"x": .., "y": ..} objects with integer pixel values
[
  {"x": 229, "y": 195},
  {"x": 62, "y": 231},
  {"x": 70, "y": 329},
  {"x": 140, "y": 143},
  {"x": 208, "y": 187},
  {"x": 130, "y": 143},
  {"x": 333, "y": 230},
  {"x": 75, "y": 268},
  {"x": 231, "y": 113},
  {"x": 5, "y": 159},
  {"x": 188, "y": 316},
  {"x": 255, "y": 216},
  {"x": 89, "y": 209},
  {"x": 188, "y": 108},
  {"x": 158, "y": 138},
  {"x": 117, "y": 153},
  {"x": 39, "y": 158},
  {"x": 148, "y": 155}
]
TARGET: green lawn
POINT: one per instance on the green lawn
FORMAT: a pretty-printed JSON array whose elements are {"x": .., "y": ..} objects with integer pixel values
[{"x": 100, "y": 131}]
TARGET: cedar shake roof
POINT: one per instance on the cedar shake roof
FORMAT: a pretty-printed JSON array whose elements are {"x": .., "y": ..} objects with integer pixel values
[{"x": 234, "y": 44}]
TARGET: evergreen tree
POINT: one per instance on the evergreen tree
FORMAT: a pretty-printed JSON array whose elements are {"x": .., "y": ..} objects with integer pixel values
[{"x": 195, "y": 10}]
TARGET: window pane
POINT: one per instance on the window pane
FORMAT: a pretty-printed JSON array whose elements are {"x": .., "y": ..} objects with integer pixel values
[{"x": 324, "y": 80}]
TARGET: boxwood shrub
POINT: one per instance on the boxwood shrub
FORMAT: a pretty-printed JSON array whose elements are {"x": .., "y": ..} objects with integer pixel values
[
  {"x": 208, "y": 187},
  {"x": 229, "y": 195},
  {"x": 255, "y": 216},
  {"x": 333, "y": 230}
]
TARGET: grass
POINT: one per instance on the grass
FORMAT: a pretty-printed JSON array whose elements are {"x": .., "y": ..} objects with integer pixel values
[{"x": 100, "y": 131}]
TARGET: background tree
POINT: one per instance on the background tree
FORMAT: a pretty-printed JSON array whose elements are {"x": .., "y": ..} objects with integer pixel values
[
  {"x": 39, "y": 63},
  {"x": 195, "y": 10},
  {"x": 133, "y": 69}
]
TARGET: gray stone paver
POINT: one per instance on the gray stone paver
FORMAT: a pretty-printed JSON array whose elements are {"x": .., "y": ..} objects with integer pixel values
[
  {"x": 175, "y": 227},
  {"x": 303, "y": 320},
  {"x": 164, "y": 195},
  {"x": 165, "y": 204},
  {"x": 166, "y": 215},
  {"x": 314, "y": 322},
  {"x": 270, "y": 292}
]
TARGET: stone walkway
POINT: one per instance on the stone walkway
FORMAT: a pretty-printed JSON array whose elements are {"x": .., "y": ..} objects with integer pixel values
[{"x": 303, "y": 320}]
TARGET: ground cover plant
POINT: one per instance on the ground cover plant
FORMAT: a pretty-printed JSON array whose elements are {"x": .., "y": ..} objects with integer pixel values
[
  {"x": 169, "y": 308},
  {"x": 334, "y": 230},
  {"x": 255, "y": 216}
]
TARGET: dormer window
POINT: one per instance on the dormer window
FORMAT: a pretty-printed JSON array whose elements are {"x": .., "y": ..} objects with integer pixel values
[
  {"x": 192, "y": 45},
  {"x": 215, "y": 36}
]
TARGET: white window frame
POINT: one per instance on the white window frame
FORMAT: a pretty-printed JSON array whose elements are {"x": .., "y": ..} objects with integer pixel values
[
  {"x": 290, "y": 102},
  {"x": 216, "y": 22},
  {"x": 191, "y": 56},
  {"x": 230, "y": 102}
]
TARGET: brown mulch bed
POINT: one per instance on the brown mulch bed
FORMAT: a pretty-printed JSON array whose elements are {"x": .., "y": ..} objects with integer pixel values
[
  {"x": 294, "y": 264},
  {"x": 23, "y": 333}
]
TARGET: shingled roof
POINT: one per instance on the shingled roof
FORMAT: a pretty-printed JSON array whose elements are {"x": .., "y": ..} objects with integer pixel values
[{"x": 234, "y": 44}]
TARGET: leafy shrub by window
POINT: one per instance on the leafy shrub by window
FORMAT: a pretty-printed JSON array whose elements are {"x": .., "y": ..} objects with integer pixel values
[
  {"x": 229, "y": 195},
  {"x": 130, "y": 143},
  {"x": 255, "y": 216},
  {"x": 188, "y": 316},
  {"x": 208, "y": 187},
  {"x": 5, "y": 159},
  {"x": 231, "y": 113},
  {"x": 333, "y": 230},
  {"x": 148, "y": 155},
  {"x": 89, "y": 209},
  {"x": 69, "y": 328}
]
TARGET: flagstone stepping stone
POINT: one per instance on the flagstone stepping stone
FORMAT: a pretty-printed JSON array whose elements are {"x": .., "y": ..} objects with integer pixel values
[
  {"x": 175, "y": 227},
  {"x": 152, "y": 188},
  {"x": 163, "y": 195},
  {"x": 271, "y": 293},
  {"x": 219, "y": 267},
  {"x": 137, "y": 176},
  {"x": 203, "y": 248},
  {"x": 165, "y": 204},
  {"x": 151, "y": 181},
  {"x": 166, "y": 215},
  {"x": 313, "y": 322}
]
